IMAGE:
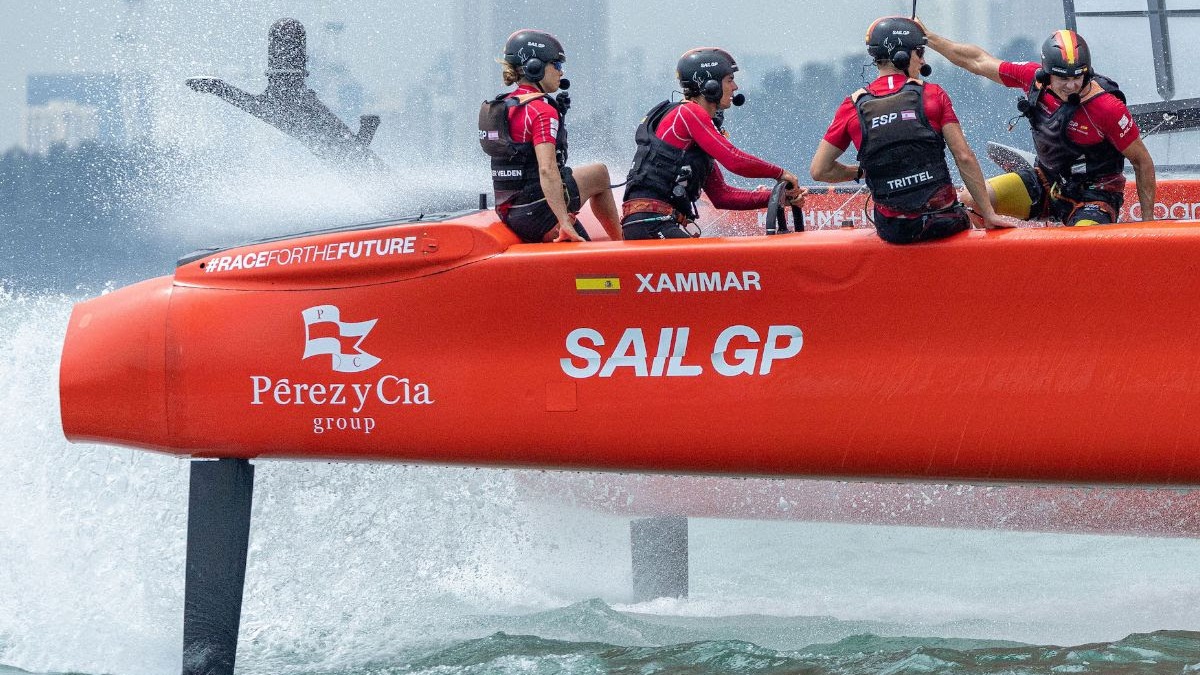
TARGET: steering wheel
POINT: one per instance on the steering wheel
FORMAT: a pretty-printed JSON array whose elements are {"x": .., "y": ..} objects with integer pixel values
[{"x": 777, "y": 216}]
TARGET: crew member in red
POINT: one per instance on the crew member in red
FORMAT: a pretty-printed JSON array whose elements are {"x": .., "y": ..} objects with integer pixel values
[
  {"x": 537, "y": 194},
  {"x": 1082, "y": 132},
  {"x": 677, "y": 144},
  {"x": 901, "y": 126}
]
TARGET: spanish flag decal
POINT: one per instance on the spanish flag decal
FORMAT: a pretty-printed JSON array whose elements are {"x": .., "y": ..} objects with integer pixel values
[
  {"x": 597, "y": 283},
  {"x": 1070, "y": 48}
]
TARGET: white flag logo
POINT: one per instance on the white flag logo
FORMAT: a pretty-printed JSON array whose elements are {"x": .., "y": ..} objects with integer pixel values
[{"x": 342, "y": 362}]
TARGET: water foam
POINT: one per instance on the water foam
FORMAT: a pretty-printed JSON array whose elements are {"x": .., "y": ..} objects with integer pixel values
[{"x": 346, "y": 561}]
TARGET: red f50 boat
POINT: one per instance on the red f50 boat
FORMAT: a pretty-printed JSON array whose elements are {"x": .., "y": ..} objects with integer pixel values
[{"x": 1056, "y": 354}]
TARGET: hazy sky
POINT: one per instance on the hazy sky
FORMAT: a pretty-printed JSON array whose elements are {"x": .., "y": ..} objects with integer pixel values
[{"x": 385, "y": 42}]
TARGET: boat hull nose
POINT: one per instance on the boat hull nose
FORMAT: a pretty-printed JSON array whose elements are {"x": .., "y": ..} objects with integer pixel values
[{"x": 112, "y": 386}]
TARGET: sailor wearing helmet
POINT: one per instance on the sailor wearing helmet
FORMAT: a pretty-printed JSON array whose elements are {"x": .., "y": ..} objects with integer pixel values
[
  {"x": 679, "y": 145},
  {"x": 537, "y": 194},
  {"x": 1082, "y": 131},
  {"x": 902, "y": 127}
]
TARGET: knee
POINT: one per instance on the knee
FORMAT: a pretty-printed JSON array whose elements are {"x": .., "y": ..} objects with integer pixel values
[{"x": 592, "y": 178}]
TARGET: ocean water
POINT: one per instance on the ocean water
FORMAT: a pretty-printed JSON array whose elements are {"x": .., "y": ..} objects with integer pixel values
[{"x": 381, "y": 569}]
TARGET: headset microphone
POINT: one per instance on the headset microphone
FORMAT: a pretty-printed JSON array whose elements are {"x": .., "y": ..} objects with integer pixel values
[
  {"x": 562, "y": 99},
  {"x": 739, "y": 99}
]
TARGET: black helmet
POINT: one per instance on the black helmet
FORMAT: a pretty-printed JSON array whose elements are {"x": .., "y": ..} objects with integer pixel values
[
  {"x": 1066, "y": 54},
  {"x": 890, "y": 36},
  {"x": 701, "y": 70},
  {"x": 531, "y": 50}
]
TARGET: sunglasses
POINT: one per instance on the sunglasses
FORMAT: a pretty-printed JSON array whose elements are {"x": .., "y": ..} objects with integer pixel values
[
  {"x": 920, "y": 52},
  {"x": 558, "y": 65}
]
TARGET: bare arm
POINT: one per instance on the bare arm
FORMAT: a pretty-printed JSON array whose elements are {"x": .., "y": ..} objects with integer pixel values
[
  {"x": 966, "y": 56},
  {"x": 1143, "y": 172},
  {"x": 827, "y": 169},
  {"x": 972, "y": 175},
  {"x": 552, "y": 187}
]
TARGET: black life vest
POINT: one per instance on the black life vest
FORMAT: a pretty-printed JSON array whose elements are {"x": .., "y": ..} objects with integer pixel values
[
  {"x": 902, "y": 157},
  {"x": 1061, "y": 159},
  {"x": 659, "y": 171},
  {"x": 514, "y": 165}
]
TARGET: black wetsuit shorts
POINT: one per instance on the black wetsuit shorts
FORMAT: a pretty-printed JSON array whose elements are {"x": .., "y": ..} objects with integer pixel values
[
  {"x": 645, "y": 225},
  {"x": 531, "y": 217},
  {"x": 926, "y": 227}
]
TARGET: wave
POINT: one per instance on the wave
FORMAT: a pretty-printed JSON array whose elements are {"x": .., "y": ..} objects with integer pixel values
[
  {"x": 500, "y": 652},
  {"x": 604, "y": 640},
  {"x": 592, "y": 637}
]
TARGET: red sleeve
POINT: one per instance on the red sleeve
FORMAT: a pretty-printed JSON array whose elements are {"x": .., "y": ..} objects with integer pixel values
[
  {"x": 1113, "y": 120},
  {"x": 938, "y": 107},
  {"x": 1018, "y": 75},
  {"x": 699, "y": 126},
  {"x": 845, "y": 129},
  {"x": 536, "y": 122},
  {"x": 725, "y": 196}
]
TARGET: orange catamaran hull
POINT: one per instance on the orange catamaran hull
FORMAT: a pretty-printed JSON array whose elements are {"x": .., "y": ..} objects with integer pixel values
[{"x": 1058, "y": 354}]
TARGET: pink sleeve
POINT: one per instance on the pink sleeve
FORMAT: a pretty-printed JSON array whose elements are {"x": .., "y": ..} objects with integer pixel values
[
  {"x": 725, "y": 196},
  {"x": 1018, "y": 75},
  {"x": 705, "y": 134}
]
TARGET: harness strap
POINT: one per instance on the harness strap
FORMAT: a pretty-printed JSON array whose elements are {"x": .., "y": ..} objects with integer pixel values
[
  {"x": 1076, "y": 204},
  {"x": 522, "y": 99},
  {"x": 646, "y": 205}
]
